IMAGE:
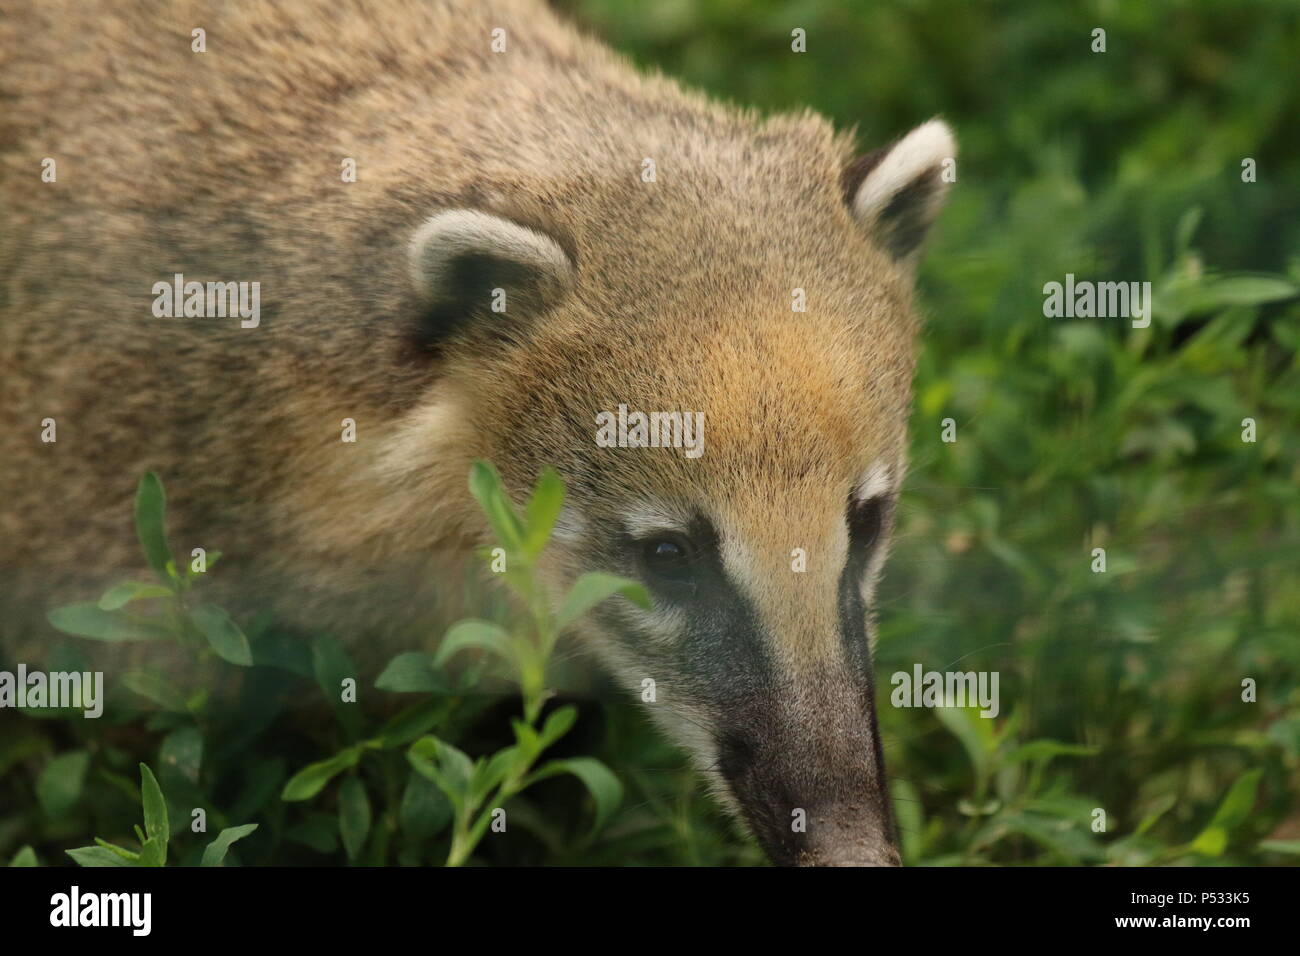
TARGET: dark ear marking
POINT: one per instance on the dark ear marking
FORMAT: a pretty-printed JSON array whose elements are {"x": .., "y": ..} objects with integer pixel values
[
  {"x": 465, "y": 298},
  {"x": 460, "y": 258},
  {"x": 857, "y": 170},
  {"x": 896, "y": 192}
]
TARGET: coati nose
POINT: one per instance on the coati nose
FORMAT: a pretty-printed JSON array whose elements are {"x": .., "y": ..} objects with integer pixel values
[
  {"x": 804, "y": 813},
  {"x": 848, "y": 834}
]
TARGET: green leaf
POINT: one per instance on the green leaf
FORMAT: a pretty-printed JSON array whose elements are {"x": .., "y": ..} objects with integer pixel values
[
  {"x": 542, "y": 511},
  {"x": 530, "y": 742},
  {"x": 485, "y": 485},
  {"x": 488, "y": 773},
  {"x": 332, "y": 666},
  {"x": 354, "y": 816},
  {"x": 122, "y": 594},
  {"x": 215, "y": 852},
  {"x": 1159, "y": 808},
  {"x": 425, "y": 810},
  {"x": 593, "y": 588},
  {"x": 1047, "y": 749},
  {"x": 907, "y": 809},
  {"x": 604, "y": 787},
  {"x": 412, "y": 673},
  {"x": 1072, "y": 844},
  {"x": 1187, "y": 229},
  {"x": 1232, "y": 812},
  {"x": 98, "y": 856},
  {"x": 155, "y": 688},
  {"x": 557, "y": 725},
  {"x": 1187, "y": 295},
  {"x": 975, "y": 735},
  {"x": 455, "y": 764},
  {"x": 182, "y": 751},
  {"x": 263, "y": 779},
  {"x": 128, "y": 855},
  {"x": 412, "y": 722},
  {"x": 223, "y": 634},
  {"x": 311, "y": 779},
  {"x": 150, "y": 508},
  {"x": 476, "y": 634},
  {"x": 1211, "y": 841},
  {"x": 59, "y": 786},
  {"x": 1236, "y": 806},
  {"x": 90, "y": 620},
  {"x": 154, "y": 851},
  {"x": 25, "y": 856},
  {"x": 1248, "y": 290},
  {"x": 273, "y": 647},
  {"x": 448, "y": 767}
]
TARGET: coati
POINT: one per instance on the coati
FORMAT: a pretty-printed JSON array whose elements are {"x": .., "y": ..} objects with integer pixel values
[{"x": 652, "y": 250}]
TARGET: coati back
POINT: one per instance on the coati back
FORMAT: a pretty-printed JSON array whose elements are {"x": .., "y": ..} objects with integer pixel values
[{"x": 387, "y": 174}]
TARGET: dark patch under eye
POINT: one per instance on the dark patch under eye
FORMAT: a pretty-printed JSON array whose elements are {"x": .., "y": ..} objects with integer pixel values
[
  {"x": 866, "y": 521},
  {"x": 678, "y": 566}
]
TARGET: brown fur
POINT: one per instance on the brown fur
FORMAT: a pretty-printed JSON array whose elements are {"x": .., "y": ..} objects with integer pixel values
[{"x": 225, "y": 165}]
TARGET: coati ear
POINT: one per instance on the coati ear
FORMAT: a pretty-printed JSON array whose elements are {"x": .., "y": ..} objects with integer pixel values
[
  {"x": 468, "y": 265},
  {"x": 897, "y": 192}
]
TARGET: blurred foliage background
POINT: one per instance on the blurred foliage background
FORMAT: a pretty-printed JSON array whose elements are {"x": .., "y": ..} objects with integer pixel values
[{"x": 1121, "y": 691}]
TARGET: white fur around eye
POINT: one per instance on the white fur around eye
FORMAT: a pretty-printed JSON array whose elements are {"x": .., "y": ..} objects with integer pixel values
[
  {"x": 654, "y": 517},
  {"x": 570, "y": 526}
]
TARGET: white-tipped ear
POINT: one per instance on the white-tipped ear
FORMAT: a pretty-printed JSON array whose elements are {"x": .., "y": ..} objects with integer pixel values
[
  {"x": 466, "y": 263},
  {"x": 451, "y": 236},
  {"x": 897, "y": 192}
]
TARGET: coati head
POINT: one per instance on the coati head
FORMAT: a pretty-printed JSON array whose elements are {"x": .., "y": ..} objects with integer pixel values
[{"x": 772, "y": 304}]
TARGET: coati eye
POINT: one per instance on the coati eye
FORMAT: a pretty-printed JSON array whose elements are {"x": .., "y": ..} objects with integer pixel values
[
  {"x": 866, "y": 518},
  {"x": 668, "y": 562}
]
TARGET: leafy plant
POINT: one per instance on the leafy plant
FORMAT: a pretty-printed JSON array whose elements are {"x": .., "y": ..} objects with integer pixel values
[
  {"x": 156, "y": 610},
  {"x": 476, "y": 789},
  {"x": 155, "y": 835}
]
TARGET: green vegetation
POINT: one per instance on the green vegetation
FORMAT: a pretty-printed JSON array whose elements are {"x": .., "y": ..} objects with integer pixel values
[
  {"x": 438, "y": 807},
  {"x": 1122, "y": 690}
]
